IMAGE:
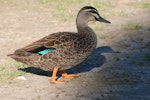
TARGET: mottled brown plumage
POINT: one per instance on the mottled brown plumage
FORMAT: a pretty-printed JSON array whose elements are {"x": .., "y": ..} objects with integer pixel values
[{"x": 70, "y": 48}]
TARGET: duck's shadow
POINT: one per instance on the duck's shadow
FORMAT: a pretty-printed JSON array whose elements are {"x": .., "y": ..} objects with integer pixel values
[{"x": 93, "y": 61}]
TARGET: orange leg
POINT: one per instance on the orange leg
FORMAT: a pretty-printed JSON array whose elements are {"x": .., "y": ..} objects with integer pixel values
[
  {"x": 53, "y": 78},
  {"x": 70, "y": 76}
]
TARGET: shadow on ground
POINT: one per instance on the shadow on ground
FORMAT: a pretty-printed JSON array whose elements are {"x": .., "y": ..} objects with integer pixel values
[{"x": 93, "y": 61}]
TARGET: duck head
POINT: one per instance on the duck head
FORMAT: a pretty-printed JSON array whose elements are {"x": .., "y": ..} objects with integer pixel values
[{"x": 89, "y": 13}]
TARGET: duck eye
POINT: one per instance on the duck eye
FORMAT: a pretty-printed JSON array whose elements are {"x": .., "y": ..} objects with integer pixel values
[{"x": 94, "y": 13}]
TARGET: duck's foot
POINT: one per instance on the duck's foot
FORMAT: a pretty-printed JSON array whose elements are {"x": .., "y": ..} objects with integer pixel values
[
  {"x": 57, "y": 81},
  {"x": 66, "y": 75},
  {"x": 53, "y": 78}
]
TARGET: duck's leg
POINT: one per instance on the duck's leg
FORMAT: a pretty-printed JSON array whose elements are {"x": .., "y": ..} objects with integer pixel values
[
  {"x": 53, "y": 78},
  {"x": 70, "y": 76}
]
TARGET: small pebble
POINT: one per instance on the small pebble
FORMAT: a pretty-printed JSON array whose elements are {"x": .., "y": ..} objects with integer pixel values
[{"x": 20, "y": 78}]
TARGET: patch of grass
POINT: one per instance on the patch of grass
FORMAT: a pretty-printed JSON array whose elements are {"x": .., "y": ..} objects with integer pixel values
[
  {"x": 132, "y": 26},
  {"x": 102, "y": 4},
  {"x": 123, "y": 14},
  {"x": 10, "y": 3},
  {"x": 98, "y": 4},
  {"x": 111, "y": 97},
  {"x": 117, "y": 78},
  {"x": 68, "y": 9},
  {"x": 139, "y": 63},
  {"x": 145, "y": 5},
  {"x": 45, "y": 1},
  {"x": 2, "y": 68},
  {"x": 10, "y": 71},
  {"x": 79, "y": 80},
  {"x": 132, "y": 62},
  {"x": 60, "y": 1},
  {"x": 117, "y": 59},
  {"x": 147, "y": 57},
  {"x": 102, "y": 37},
  {"x": 101, "y": 26},
  {"x": 81, "y": 95},
  {"x": 140, "y": 4}
]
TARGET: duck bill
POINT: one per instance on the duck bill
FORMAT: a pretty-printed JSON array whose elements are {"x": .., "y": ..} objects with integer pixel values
[{"x": 103, "y": 20}]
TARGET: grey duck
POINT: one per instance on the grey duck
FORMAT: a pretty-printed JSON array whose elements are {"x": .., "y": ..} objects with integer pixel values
[{"x": 62, "y": 50}]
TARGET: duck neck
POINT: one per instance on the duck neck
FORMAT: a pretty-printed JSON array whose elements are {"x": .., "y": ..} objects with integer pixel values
[
  {"x": 83, "y": 28},
  {"x": 81, "y": 21}
]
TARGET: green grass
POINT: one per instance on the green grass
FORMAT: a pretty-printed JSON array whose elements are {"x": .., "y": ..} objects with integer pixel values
[
  {"x": 123, "y": 14},
  {"x": 10, "y": 3},
  {"x": 101, "y": 26},
  {"x": 117, "y": 78},
  {"x": 137, "y": 63},
  {"x": 102, "y": 4},
  {"x": 102, "y": 36},
  {"x": 140, "y": 4},
  {"x": 59, "y": 4},
  {"x": 142, "y": 62},
  {"x": 60, "y": 1},
  {"x": 68, "y": 9},
  {"x": 45, "y": 1},
  {"x": 10, "y": 71},
  {"x": 2, "y": 68},
  {"x": 132, "y": 26},
  {"x": 133, "y": 62},
  {"x": 145, "y": 5},
  {"x": 62, "y": 10},
  {"x": 147, "y": 57},
  {"x": 117, "y": 59}
]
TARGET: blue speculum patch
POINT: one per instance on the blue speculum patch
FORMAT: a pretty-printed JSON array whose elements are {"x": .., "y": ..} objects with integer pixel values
[{"x": 46, "y": 51}]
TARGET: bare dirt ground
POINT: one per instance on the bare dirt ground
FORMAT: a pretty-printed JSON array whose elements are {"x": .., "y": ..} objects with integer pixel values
[{"x": 119, "y": 69}]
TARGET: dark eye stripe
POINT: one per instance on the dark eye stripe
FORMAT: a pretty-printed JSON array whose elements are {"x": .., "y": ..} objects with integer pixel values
[{"x": 93, "y": 11}]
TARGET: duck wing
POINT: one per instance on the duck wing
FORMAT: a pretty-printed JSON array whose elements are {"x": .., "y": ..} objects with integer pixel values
[{"x": 50, "y": 42}]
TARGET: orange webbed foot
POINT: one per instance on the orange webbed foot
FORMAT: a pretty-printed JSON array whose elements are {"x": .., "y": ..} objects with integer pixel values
[
  {"x": 57, "y": 81},
  {"x": 66, "y": 75}
]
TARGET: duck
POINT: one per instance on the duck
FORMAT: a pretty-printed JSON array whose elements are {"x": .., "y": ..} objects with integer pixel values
[{"x": 62, "y": 50}]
